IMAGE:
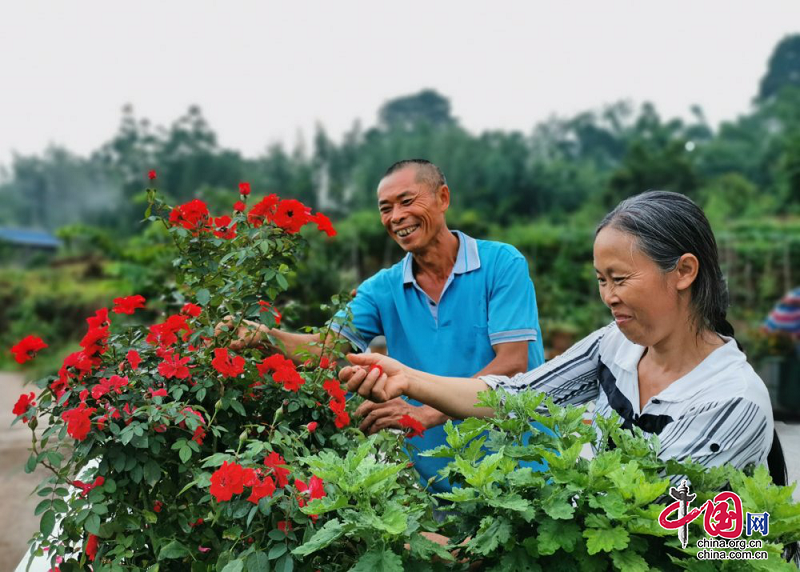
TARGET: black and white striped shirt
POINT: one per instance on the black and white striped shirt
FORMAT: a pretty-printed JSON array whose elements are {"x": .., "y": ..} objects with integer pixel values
[{"x": 718, "y": 413}]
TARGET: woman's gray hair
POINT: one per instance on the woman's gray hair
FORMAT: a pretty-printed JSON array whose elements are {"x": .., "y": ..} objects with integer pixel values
[{"x": 666, "y": 226}]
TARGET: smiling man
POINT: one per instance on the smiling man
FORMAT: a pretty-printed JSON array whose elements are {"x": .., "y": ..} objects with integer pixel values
[{"x": 452, "y": 306}]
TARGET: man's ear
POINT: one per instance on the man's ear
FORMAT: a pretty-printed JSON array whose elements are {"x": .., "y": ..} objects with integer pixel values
[
  {"x": 686, "y": 271},
  {"x": 443, "y": 196}
]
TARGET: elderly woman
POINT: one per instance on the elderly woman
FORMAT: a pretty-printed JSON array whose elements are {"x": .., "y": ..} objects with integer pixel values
[{"x": 668, "y": 362}]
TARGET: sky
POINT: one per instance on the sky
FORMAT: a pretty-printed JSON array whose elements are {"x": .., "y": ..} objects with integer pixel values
[{"x": 266, "y": 72}]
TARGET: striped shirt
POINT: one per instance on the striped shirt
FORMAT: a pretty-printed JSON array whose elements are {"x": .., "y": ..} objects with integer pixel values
[{"x": 719, "y": 413}]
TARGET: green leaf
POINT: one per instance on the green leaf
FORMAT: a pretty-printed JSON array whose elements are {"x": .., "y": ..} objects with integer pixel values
[
  {"x": 173, "y": 550},
  {"x": 322, "y": 538},
  {"x": 518, "y": 561},
  {"x": 424, "y": 548},
  {"x": 238, "y": 407},
  {"x": 558, "y": 506},
  {"x": 42, "y": 506},
  {"x": 281, "y": 279},
  {"x": 393, "y": 520},
  {"x": 152, "y": 472},
  {"x": 285, "y": 564},
  {"x": 555, "y": 534},
  {"x": 629, "y": 561},
  {"x": 30, "y": 466},
  {"x": 47, "y": 523},
  {"x": 92, "y": 524},
  {"x": 377, "y": 560},
  {"x": 277, "y": 551},
  {"x": 492, "y": 533},
  {"x": 203, "y": 296},
  {"x": 234, "y": 566},
  {"x": 608, "y": 539},
  {"x": 60, "y": 506},
  {"x": 257, "y": 562},
  {"x": 185, "y": 454}
]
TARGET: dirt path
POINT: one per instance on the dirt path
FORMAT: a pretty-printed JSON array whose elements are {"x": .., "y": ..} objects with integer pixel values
[{"x": 18, "y": 522}]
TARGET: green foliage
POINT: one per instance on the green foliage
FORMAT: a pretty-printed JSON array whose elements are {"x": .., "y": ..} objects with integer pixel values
[
  {"x": 783, "y": 69},
  {"x": 582, "y": 513}
]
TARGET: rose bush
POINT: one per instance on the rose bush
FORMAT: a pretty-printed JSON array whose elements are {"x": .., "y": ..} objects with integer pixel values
[
  {"x": 183, "y": 453},
  {"x": 169, "y": 451}
]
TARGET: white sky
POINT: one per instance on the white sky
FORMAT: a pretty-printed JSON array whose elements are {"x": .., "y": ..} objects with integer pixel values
[{"x": 266, "y": 71}]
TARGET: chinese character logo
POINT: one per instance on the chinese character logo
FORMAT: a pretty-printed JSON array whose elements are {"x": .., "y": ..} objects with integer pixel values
[
  {"x": 722, "y": 515},
  {"x": 757, "y": 522}
]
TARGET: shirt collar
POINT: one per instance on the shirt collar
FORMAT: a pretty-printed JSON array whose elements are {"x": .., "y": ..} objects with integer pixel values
[
  {"x": 690, "y": 384},
  {"x": 467, "y": 258}
]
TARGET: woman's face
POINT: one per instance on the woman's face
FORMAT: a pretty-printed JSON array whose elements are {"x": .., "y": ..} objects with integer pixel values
[{"x": 643, "y": 300}]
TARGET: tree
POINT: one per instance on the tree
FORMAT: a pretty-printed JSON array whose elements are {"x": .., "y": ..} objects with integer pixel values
[
  {"x": 783, "y": 68},
  {"x": 411, "y": 110}
]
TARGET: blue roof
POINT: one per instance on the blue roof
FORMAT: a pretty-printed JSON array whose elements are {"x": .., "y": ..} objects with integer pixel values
[{"x": 29, "y": 237}]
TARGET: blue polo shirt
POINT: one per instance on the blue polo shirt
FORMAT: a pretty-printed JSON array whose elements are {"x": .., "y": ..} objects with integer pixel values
[{"x": 488, "y": 299}]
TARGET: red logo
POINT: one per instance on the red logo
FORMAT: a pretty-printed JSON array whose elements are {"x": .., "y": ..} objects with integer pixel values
[{"x": 723, "y": 515}]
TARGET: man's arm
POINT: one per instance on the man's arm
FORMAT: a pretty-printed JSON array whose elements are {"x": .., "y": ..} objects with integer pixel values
[{"x": 253, "y": 335}]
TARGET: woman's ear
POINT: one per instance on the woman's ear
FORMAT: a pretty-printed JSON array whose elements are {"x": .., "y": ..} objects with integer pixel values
[{"x": 686, "y": 271}]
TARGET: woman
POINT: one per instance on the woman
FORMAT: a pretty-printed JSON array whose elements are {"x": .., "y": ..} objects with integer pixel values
[{"x": 668, "y": 362}]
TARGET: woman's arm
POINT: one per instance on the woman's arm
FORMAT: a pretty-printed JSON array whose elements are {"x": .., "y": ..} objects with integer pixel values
[
  {"x": 571, "y": 378},
  {"x": 455, "y": 396}
]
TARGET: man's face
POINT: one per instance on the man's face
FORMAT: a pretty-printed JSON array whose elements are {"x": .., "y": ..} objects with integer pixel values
[{"x": 411, "y": 211}]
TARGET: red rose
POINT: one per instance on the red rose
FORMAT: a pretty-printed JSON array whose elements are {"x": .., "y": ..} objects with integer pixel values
[
  {"x": 157, "y": 392},
  {"x": 288, "y": 376},
  {"x": 190, "y": 216},
  {"x": 275, "y": 461},
  {"x": 227, "y": 481},
  {"x": 263, "y": 488},
  {"x": 334, "y": 389},
  {"x": 227, "y": 365},
  {"x": 244, "y": 189},
  {"x": 134, "y": 359},
  {"x": 239, "y": 206},
  {"x": 91, "y": 547},
  {"x": 26, "y": 348},
  {"x": 174, "y": 366},
  {"x": 192, "y": 310},
  {"x": 263, "y": 210},
  {"x": 128, "y": 304},
  {"x": 284, "y": 526},
  {"x": 312, "y": 426},
  {"x": 223, "y": 228},
  {"x": 24, "y": 403},
  {"x": 324, "y": 224},
  {"x": 78, "y": 421},
  {"x": 291, "y": 215},
  {"x": 413, "y": 427},
  {"x": 198, "y": 435},
  {"x": 157, "y": 506},
  {"x": 151, "y": 174}
]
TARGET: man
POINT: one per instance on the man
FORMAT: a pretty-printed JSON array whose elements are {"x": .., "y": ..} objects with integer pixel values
[{"x": 452, "y": 306}]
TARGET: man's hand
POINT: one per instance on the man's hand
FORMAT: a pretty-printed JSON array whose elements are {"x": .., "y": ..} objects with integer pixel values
[
  {"x": 379, "y": 416},
  {"x": 375, "y": 376},
  {"x": 248, "y": 335}
]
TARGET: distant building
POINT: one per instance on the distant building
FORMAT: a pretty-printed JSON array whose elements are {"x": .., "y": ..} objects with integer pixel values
[{"x": 19, "y": 244}]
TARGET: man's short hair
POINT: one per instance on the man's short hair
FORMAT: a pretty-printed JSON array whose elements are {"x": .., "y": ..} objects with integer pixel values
[{"x": 427, "y": 172}]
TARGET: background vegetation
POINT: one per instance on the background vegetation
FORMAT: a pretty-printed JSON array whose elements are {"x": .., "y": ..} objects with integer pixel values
[{"x": 542, "y": 190}]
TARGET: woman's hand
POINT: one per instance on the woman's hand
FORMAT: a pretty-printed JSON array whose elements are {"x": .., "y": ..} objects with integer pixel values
[{"x": 375, "y": 376}]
